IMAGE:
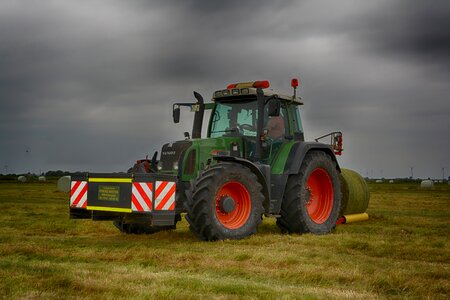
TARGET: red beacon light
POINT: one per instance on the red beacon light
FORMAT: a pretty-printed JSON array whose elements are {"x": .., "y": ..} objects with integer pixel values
[
  {"x": 262, "y": 84},
  {"x": 294, "y": 84}
]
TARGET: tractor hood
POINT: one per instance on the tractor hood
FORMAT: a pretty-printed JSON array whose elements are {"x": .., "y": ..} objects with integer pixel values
[
  {"x": 171, "y": 156},
  {"x": 186, "y": 158}
]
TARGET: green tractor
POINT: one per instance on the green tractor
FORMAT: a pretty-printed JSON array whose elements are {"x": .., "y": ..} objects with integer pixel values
[{"x": 254, "y": 162}]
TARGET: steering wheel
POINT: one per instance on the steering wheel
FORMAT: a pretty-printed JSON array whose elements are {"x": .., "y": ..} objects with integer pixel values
[{"x": 247, "y": 127}]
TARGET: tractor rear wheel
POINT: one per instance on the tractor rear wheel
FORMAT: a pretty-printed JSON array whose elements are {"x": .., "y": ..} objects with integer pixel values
[
  {"x": 226, "y": 203},
  {"x": 312, "y": 199}
]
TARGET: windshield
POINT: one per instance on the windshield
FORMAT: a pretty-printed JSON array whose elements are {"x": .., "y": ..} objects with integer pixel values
[{"x": 234, "y": 118}]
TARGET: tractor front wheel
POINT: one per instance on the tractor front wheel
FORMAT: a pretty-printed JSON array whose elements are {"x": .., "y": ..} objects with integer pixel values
[
  {"x": 312, "y": 199},
  {"x": 226, "y": 203}
]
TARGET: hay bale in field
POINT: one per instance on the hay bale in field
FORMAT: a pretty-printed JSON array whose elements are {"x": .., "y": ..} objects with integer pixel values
[
  {"x": 22, "y": 178},
  {"x": 355, "y": 193},
  {"x": 427, "y": 184},
  {"x": 63, "y": 184},
  {"x": 391, "y": 181},
  {"x": 41, "y": 178},
  {"x": 379, "y": 181}
]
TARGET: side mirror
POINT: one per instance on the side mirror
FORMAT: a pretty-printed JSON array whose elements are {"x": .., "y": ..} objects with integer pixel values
[
  {"x": 273, "y": 108},
  {"x": 176, "y": 115}
]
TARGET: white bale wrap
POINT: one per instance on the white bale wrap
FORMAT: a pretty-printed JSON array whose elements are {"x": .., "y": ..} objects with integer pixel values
[
  {"x": 63, "y": 184},
  {"x": 427, "y": 184},
  {"x": 22, "y": 178},
  {"x": 41, "y": 178}
]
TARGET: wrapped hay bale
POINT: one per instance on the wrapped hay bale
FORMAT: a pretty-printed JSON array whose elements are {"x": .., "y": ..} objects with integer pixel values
[
  {"x": 63, "y": 184},
  {"x": 427, "y": 184},
  {"x": 355, "y": 193},
  {"x": 22, "y": 178},
  {"x": 41, "y": 178}
]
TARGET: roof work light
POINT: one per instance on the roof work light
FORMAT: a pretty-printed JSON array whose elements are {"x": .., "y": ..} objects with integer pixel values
[{"x": 263, "y": 84}]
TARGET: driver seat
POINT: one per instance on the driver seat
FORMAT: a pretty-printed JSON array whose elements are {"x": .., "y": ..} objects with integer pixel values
[{"x": 275, "y": 127}]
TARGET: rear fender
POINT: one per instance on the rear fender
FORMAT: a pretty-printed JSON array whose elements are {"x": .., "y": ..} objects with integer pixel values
[{"x": 299, "y": 151}]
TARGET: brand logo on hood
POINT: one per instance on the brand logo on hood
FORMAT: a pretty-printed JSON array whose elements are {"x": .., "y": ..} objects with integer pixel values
[{"x": 168, "y": 153}]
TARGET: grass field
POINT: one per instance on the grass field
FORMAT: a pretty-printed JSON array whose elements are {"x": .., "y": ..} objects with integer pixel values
[{"x": 401, "y": 252}]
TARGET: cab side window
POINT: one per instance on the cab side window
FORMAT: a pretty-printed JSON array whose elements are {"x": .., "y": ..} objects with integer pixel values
[{"x": 297, "y": 124}]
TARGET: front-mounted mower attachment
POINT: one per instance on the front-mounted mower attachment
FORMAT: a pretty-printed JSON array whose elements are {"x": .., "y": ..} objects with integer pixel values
[{"x": 139, "y": 198}]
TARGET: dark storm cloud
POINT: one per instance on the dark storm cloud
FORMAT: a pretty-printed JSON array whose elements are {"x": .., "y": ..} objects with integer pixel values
[
  {"x": 418, "y": 30},
  {"x": 90, "y": 86}
]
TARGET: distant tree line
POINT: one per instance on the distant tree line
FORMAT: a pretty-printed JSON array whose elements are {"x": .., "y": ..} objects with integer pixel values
[
  {"x": 60, "y": 173},
  {"x": 57, "y": 173}
]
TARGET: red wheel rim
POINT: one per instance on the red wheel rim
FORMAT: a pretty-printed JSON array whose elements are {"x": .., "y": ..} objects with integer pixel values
[
  {"x": 237, "y": 217},
  {"x": 321, "y": 194}
]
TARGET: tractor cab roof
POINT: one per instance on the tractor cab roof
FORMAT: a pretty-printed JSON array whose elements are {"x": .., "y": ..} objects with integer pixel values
[{"x": 247, "y": 91}]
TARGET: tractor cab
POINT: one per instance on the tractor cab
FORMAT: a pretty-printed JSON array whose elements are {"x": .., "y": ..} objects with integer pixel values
[{"x": 239, "y": 109}]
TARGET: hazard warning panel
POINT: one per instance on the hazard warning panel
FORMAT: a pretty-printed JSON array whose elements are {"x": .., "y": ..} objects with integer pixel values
[
  {"x": 141, "y": 196},
  {"x": 165, "y": 195},
  {"x": 78, "y": 194}
]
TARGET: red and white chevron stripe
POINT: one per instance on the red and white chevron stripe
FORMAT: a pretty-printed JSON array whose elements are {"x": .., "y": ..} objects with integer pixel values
[
  {"x": 165, "y": 195},
  {"x": 78, "y": 194},
  {"x": 141, "y": 196}
]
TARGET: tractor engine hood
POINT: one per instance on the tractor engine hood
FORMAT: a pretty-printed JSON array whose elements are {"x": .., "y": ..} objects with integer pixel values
[{"x": 172, "y": 155}]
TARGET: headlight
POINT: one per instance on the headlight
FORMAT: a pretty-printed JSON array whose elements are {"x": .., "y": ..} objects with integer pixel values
[
  {"x": 160, "y": 166},
  {"x": 175, "y": 165}
]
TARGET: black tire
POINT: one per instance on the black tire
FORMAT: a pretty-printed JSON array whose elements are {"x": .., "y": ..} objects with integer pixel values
[
  {"x": 142, "y": 228},
  {"x": 135, "y": 228},
  {"x": 297, "y": 214},
  {"x": 209, "y": 218}
]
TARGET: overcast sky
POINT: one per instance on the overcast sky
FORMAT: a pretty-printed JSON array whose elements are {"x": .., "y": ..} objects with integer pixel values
[{"x": 88, "y": 85}]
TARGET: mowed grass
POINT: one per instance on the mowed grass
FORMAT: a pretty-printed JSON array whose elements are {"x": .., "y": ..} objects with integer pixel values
[{"x": 401, "y": 252}]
